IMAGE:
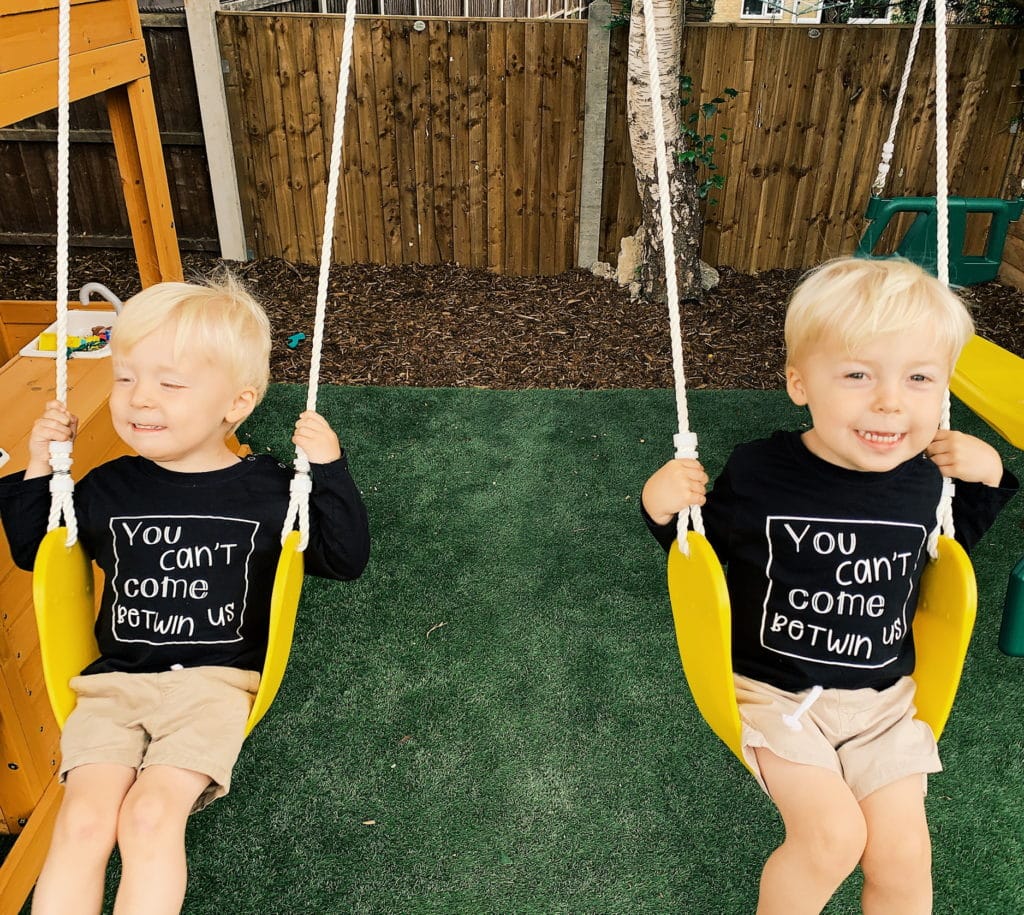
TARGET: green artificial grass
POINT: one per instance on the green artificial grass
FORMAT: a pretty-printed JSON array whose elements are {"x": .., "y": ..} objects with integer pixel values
[{"x": 493, "y": 719}]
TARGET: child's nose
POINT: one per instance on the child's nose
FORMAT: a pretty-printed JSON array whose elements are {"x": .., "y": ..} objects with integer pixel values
[
  {"x": 887, "y": 399},
  {"x": 141, "y": 395}
]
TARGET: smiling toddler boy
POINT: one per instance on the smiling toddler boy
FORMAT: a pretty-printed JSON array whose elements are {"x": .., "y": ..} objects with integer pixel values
[
  {"x": 187, "y": 534},
  {"x": 824, "y": 537}
]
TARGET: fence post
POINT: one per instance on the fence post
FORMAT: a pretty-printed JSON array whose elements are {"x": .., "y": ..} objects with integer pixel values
[
  {"x": 592, "y": 183},
  {"x": 213, "y": 107}
]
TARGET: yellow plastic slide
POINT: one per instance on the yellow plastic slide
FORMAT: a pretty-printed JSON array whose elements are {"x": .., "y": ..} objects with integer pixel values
[{"x": 990, "y": 380}]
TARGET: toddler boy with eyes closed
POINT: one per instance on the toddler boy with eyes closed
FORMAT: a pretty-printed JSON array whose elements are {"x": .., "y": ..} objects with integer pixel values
[
  {"x": 187, "y": 535},
  {"x": 824, "y": 537}
]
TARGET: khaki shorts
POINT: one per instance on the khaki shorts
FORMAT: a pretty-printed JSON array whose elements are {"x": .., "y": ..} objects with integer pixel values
[
  {"x": 190, "y": 719},
  {"x": 870, "y": 738}
]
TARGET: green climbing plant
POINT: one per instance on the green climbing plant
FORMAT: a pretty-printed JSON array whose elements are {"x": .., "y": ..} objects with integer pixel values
[{"x": 703, "y": 136}]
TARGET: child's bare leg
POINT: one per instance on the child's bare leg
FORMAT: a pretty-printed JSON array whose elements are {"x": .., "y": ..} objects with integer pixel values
[
  {"x": 825, "y": 837},
  {"x": 151, "y": 837},
  {"x": 72, "y": 877},
  {"x": 897, "y": 861}
]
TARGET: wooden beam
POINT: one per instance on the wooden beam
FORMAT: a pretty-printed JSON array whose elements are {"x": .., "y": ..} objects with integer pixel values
[
  {"x": 31, "y": 38},
  {"x": 32, "y": 90},
  {"x": 147, "y": 198},
  {"x": 48, "y": 135},
  {"x": 24, "y": 861},
  {"x": 49, "y": 239}
]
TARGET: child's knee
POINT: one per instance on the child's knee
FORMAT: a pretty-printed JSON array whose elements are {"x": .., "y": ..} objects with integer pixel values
[
  {"x": 897, "y": 858},
  {"x": 833, "y": 846},
  {"x": 146, "y": 814},
  {"x": 86, "y": 823}
]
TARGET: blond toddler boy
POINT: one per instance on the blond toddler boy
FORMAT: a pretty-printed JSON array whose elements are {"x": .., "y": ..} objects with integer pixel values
[
  {"x": 187, "y": 534},
  {"x": 824, "y": 535}
]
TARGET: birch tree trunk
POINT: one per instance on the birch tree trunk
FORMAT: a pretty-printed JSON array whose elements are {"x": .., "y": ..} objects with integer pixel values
[{"x": 686, "y": 217}]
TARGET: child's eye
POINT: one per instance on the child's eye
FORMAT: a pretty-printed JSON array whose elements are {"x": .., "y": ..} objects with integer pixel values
[
  {"x": 918, "y": 378},
  {"x": 857, "y": 376},
  {"x": 171, "y": 386}
]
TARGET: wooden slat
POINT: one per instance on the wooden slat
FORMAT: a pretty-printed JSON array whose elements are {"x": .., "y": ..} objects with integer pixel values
[
  {"x": 387, "y": 149},
  {"x": 497, "y": 149},
  {"x": 352, "y": 217},
  {"x": 239, "y": 115},
  {"x": 441, "y": 138},
  {"x": 461, "y": 151},
  {"x": 268, "y": 234},
  {"x": 476, "y": 99},
  {"x": 24, "y": 92},
  {"x": 515, "y": 189},
  {"x": 295, "y": 45},
  {"x": 31, "y": 38},
  {"x": 267, "y": 49},
  {"x": 408, "y": 187},
  {"x": 570, "y": 149},
  {"x": 558, "y": 94},
  {"x": 422, "y": 123},
  {"x": 536, "y": 124},
  {"x": 366, "y": 154}
]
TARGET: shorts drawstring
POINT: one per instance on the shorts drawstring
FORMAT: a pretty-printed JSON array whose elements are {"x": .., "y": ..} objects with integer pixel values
[{"x": 793, "y": 721}]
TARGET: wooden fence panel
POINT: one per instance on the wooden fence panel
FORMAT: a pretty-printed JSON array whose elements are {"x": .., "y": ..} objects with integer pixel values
[
  {"x": 462, "y": 140},
  {"x": 97, "y": 214},
  {"x": 807, "y": 127},
  {"x": 808, "y": 124}
]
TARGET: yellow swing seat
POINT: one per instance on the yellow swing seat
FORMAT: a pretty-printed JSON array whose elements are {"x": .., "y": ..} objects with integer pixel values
[
  {"x": 63, "y": 593},
  {"x": 990, "y": 380},
  {"x": 943, "y": 624}
]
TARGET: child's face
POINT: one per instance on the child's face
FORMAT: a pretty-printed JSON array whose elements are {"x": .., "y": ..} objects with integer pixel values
[
  {"x": 875, "y": 408},
  {"x": 175, "y": 412}
]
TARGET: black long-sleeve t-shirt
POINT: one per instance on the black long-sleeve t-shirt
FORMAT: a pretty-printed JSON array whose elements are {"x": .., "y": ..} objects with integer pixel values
[
  {"x": 824, "y": 564},
  {"x": 189, "y": 558}
]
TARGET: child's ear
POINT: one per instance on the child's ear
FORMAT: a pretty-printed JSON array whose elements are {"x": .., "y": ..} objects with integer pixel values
[
  {"x": 243, "y": 405},
  {"x": 795, "y": 386}
]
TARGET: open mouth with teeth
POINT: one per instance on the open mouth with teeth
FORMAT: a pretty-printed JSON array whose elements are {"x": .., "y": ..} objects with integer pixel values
[
  {"x": 881, "y": 438},
  {"x": 139, "y": 427}
]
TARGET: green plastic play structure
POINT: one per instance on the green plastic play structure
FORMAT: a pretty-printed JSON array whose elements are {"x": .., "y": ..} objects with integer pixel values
[{"x": 919, "y": 243}]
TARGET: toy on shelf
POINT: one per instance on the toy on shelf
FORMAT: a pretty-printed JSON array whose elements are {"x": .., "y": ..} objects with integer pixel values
[{"x": 88, "y": 336}]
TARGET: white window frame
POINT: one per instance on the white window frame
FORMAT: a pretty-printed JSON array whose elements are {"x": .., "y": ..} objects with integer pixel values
[{"x": 779, "y": 14}]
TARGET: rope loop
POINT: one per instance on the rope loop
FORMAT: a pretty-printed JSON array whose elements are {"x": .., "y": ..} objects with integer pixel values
[{"x": 62, "y": 488}]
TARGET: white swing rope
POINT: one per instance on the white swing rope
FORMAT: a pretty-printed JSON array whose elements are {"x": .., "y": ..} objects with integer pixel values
[
  {"x": 302, "y": 485},
  {"x": 944, "y": 511},
  {"x": 890, "y": 144},
  {"x": 61, "y": 485},
  {"x": 684, "y": 440}
]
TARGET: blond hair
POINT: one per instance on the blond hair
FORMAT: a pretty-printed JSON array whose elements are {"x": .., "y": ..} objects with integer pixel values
[
  {"x": 854, "y": 300},
  {"x": 218, "y": 318}
]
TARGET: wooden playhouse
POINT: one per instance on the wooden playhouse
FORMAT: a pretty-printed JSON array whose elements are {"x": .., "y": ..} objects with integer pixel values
[{"x": 108, "y": 56}]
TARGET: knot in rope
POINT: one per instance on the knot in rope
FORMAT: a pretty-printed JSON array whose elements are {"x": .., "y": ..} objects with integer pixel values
[
  {"x": 943, "y": 518},
  {"x": 62, "y": 489},
  {"x": 300, "y": 487}
]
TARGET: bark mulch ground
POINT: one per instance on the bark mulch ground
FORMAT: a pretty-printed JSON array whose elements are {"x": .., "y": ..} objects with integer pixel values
[{"x": 453, "y": 326}]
